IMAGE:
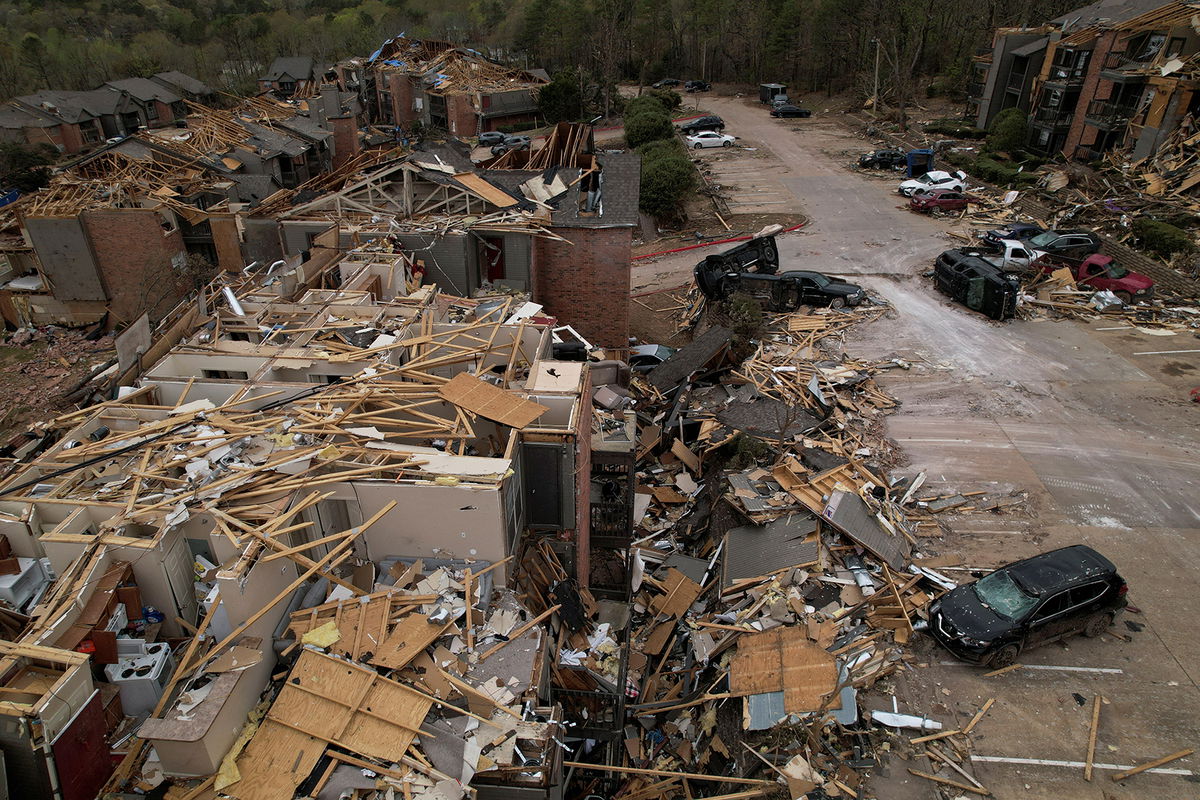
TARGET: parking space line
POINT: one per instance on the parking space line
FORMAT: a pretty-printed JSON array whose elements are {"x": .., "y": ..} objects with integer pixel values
[
  {"x": 1048, "y": 762},
  {"x": 1102, "y": 670}
]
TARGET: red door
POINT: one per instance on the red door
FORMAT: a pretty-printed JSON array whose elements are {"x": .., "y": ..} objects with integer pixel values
[
  {"x": 81, "y": 754},
  {"x": 493, "y": 258}
]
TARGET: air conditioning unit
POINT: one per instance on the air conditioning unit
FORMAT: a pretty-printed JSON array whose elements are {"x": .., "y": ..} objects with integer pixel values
[
  {"x": 18, "y": 589},
  {"x": 142, "y": 678}
]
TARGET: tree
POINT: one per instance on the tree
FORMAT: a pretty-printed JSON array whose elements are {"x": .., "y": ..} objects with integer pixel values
[
  {"x": 1009, "y": 131},
  {"x": 35, "y": 57},
  {"x": 560, "y": 100},
  {"x": 647, "y": 126},
  {"x": 667, "y": 179},
  {"x": 25, "y": 167}
]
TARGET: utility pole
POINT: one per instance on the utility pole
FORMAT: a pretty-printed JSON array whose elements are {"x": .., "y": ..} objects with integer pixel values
[{"x": 875, "y": 96}]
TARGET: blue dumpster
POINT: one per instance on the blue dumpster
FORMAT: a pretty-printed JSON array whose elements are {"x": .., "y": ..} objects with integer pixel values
[{"x": 919, "y": 162}]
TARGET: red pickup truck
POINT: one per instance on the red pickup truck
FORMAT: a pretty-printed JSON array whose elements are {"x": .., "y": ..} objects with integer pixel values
[{"x": 1101, "y": 272}]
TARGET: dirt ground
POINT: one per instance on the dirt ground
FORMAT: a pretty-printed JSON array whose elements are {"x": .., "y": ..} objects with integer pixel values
[
  {"x": 1093, "y": 423},
  {"x": 37, "y": 369}
]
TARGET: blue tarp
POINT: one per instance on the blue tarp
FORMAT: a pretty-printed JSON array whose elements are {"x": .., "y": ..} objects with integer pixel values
[{"x": 9, "y": 197}]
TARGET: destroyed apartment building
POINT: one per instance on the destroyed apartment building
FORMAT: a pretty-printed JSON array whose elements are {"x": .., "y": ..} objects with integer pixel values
[
  {"x": 451, "y": 88},
  {"x": 397, "y": 445},
  {"x": 342, "y": 533},
  {"x": 1104, "y": 77},
  {"x": 114, "y": 231}
]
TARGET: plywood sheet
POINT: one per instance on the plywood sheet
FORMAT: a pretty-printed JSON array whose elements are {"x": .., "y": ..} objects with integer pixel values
[
  {"x": 408, "y": 638},
  {"x": 482, "y": 398},
  {"x": 480, "y": 187},
  {"x": 363, "y": 626},
  {"x": 275, "y": 762},
  {"x": 783, "y": 660},
  {"x": 680, "y": 592},
  {"x": 350, "y": 705}
]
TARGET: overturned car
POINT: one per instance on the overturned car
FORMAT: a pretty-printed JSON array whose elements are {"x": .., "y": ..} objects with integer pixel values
[
  {"x": 978, "y": 284},
  {"x": 752, "y": 268}
]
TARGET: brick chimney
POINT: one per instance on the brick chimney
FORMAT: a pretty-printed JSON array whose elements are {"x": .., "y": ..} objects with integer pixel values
[{"x": 346, "y": 144}]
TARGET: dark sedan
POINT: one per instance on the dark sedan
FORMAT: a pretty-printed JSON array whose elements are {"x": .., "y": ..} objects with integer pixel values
[
  {"x": 1016, "y": 231},
  {"x": 1029, "y": 603},
  {"x": 1074, "y": 244},
  {"x": 666, "y": 83},
  {"x": 709, "y": 123},
  {"x": 883, "y": 159},
  {"x": 791, "y": 111}
]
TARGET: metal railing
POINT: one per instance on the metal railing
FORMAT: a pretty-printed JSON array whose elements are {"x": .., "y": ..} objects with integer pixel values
[
  {"x": 1106, "y": 112},
  {"x": 1053, "y": 115}
]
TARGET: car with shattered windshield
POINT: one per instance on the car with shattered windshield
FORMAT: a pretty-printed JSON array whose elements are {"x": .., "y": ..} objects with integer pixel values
[{"x": 1027, "y": 604}]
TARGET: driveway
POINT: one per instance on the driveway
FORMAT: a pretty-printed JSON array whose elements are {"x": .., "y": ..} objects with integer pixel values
[{"x": 1101, "y": 436}]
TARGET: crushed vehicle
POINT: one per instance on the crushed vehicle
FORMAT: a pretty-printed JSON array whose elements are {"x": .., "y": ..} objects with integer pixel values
[
  {"x": 1007, "y": 254},
  {"x": 934, "y": 180},
  {"x": 696, "y": 141},
  {"x": 707, "y": 123},
  {"x": 1100, "y": 272},
  {"x": 512, "y": 142},
  {"x": 883, "y": 159},
  {"x": 786, "y": 110},
  {"x": 1029, "y": 603},
  {"x": 753, "y": 268},
  {"x": 645, "y": 357},
  {"x": 940, "y": 200},
  {"x": 1076, "y": 243},
  {"x": 697, "y": 86},
  {"x": 979, "y": 285},
  {"x": 1018, "y": 231}
]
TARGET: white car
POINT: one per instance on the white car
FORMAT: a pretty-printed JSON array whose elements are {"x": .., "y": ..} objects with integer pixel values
[
  {"x": 709, "y": 139},
  {"x": 955, "y": 181}
]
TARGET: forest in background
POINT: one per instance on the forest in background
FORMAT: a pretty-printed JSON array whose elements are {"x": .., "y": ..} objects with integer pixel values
[{"x": 813, "y": 45}]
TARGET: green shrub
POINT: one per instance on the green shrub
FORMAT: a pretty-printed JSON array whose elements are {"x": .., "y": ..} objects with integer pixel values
[
  {"x": 955, "y": 128},
  {"x": 746, "y": 316},
  {"x": 670, "y": 99},
  {"x": 1009, "y": 131},
  {"x": 667, "y": 178},
  {"x": 989, "y": 169},
  {"x": 1162, "y": 238},
  {"x": 647, "y": 102},
  {"x": 647, "y": 126}
]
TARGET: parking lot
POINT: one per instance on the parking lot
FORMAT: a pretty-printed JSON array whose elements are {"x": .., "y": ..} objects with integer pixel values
[{"x": 1100, "y": 435}]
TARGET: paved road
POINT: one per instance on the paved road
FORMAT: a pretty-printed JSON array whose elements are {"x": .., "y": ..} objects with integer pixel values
[{"x": 1103, "y": 440}]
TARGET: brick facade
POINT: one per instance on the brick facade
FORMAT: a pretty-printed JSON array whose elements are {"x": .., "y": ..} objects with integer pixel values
[
  {"x": 133, "y": 255},
  {"x": 461, "y": 116},
  {"x": 585, "y": 281},
  {"x": 1094, "y": 88},
  {"x": 346, "y": 144}
]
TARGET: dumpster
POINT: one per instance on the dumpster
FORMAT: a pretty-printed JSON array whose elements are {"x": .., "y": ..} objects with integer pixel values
[{"x": 919, "y": 162}]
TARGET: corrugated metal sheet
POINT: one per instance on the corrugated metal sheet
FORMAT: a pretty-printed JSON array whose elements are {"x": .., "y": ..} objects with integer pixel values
[
  {"x": 753, "y": 550},
  {"x": 849, "y": 513},
  {"x": 764, "y": 710}
]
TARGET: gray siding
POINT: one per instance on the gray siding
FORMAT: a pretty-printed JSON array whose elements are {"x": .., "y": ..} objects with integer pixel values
[
  {"x": 450, "y": 262},
  {"x": 66, "y": 258}
]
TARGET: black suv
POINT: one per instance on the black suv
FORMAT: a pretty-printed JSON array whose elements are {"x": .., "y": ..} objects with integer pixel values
[
  {"x": 1075, "y": 244},
  {"x": 1029, "y": 603},
  {"x": 883, "y": 159},
  {"x": 710, "y": 123},
  {"x": 753, "y": 268},
  {"x": 697, "y": 86},
  {"x": 979, "y": 285}
]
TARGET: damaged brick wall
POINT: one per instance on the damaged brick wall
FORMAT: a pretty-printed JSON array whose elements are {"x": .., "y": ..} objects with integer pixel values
[
  {"x": 461, "y": 116},
  {"x": 133, "y": 253},
  {"x": 586, "y": 281},
  {"x": 1093, "y": 88},
  {"x": 345, "y": 140}
]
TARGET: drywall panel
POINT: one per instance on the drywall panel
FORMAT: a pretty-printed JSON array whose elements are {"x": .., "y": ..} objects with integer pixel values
[{"x": 67, "y": 260}]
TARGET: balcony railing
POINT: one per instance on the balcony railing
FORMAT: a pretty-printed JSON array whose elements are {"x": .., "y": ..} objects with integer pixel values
[
  {"x": 1053, "y": 115},
  {"x": 1107, "y": 112}
]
